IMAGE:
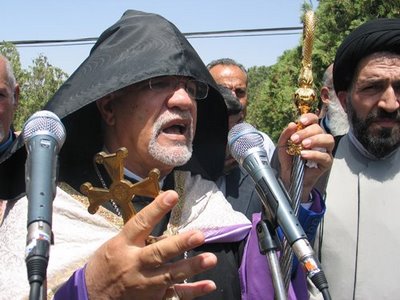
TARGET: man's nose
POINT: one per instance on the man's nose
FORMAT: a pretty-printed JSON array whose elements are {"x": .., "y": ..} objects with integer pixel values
[
  {"x": 180, "y": 98},
  {"x": 389, "y": 100}
]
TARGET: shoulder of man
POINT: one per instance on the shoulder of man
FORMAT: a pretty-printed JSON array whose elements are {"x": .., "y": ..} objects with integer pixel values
[{"x": 323, "y": 180}]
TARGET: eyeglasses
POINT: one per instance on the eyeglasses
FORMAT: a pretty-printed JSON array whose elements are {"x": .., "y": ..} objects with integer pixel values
[{"x": 195, "y": 88}]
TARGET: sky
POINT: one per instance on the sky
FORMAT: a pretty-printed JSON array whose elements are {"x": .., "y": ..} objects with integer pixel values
[{"x": 75, "y": 19}]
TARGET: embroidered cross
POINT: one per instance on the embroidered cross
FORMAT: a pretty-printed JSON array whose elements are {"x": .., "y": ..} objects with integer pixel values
[{"x": 121, "y": 190}]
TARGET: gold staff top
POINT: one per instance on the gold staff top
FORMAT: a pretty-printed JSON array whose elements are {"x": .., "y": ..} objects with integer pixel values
[{"x": 305, "y": 96}]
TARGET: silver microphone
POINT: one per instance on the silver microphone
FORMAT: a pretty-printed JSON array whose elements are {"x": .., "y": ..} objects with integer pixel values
[
  {"x": 246, "y": 147},
  {"x": 44, "y": 135}
]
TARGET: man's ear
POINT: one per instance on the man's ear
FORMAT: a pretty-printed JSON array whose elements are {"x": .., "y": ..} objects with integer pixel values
[
  {"x": 325, "y": 95},
  {"x": 342, "y": 96},
  {"x": 106, "y": 109}
]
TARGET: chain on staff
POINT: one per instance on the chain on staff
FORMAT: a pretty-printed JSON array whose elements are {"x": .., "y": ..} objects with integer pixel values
[{"x": 304, "y": 99}]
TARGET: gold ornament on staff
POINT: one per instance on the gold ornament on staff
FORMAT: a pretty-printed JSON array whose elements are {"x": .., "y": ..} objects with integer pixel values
[{"x": 305, "y": 96}]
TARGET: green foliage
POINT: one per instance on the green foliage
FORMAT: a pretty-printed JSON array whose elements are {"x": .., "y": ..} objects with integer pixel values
[
  {"x": 336, "y": 19},
  {"x": 271, "y": 105},
  {"x": 37, "y": 83}
]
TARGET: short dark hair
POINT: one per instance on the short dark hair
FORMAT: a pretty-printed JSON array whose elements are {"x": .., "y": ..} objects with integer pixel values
[{"x": 226, "y": 62}]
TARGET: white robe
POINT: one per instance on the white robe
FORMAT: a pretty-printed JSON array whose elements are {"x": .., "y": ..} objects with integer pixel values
[
  {"x": 77, "y": 234},
  {"x": 361, "y": 232}
]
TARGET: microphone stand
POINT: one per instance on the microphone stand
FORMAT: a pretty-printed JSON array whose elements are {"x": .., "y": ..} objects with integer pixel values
[
  {"x": 269, "y": 247},
  {"x": 39, "y": 237},
  {"x": 38, "y": 291}
]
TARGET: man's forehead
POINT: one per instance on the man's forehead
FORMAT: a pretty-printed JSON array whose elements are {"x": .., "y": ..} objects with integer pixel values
[
  {"x": 229, "y": 69},
  {"x": 230, "y": 80},
  {"x": 375, "y": 58}
]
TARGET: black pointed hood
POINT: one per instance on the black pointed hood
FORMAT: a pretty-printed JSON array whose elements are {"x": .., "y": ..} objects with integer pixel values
[{"x": 137, "y": 47}]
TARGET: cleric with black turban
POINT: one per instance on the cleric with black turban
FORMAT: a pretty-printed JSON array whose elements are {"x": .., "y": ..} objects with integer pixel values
[{"x": 359, "y": 239}]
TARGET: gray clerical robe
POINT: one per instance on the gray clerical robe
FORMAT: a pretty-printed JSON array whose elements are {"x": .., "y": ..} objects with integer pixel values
[{"x": 361, "y": 232}]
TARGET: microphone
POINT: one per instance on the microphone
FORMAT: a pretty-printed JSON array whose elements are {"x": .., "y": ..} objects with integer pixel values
[
  {"x": 44, "y": 135},
  {"x": 246, "y": 147}
]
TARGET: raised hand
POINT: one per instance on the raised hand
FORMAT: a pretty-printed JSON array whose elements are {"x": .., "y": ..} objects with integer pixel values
[
  {"x": 126, "y": 268},
  {"x": 317, "y": 147}
]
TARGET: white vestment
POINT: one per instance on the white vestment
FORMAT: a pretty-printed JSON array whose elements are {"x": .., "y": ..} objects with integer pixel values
[
  {"x": 361, "y": 228},
  {"x": 77, "y": 234}
]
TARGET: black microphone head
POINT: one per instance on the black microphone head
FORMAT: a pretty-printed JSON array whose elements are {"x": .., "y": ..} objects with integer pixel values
[
  {"x": 243, "y": 137},
  {"x": 47, "y": 123}
]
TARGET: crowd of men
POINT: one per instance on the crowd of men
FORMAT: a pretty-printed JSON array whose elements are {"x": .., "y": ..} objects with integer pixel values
[{"x": 154, "y": 98}]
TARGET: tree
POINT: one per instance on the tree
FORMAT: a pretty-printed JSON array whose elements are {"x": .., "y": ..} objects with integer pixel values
[
  {"x": 37, "y": 83},
  {"x": 269, "y": 109},
  {"x": 271, "y": 104}
]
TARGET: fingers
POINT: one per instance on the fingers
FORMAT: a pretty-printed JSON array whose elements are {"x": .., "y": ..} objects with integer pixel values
[
  {"x": 165, "y": 249},
  {"x": 305, "y": 120},
  {"x": 183, "y": 269},
  {"x": 322, "y": 140},
  {"x": 317, "y": 146},
  {"x": 193, "y": 290},
  {"x": 311, "y": 136},
  {"x": 146, "y": 271},
  {"x": 308, "y": 119},
  {"x": 322, "y": 159},
  {"x": 175, "y": 273},
  {"x": 140, "y": 226},
  {"x": 307, "y": 132},
  {"x": 286, "y": 134}
]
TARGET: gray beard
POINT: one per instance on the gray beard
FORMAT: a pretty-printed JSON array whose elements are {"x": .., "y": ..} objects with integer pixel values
[
  {"x": 176, "y": 155},
  {"x": 338, "y": 121}
]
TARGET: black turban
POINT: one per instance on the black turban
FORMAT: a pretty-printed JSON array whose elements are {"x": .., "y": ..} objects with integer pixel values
[{"x": 373, "y": 36}]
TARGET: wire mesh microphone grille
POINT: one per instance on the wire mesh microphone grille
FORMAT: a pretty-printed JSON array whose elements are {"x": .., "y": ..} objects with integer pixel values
[
  {"x": 46, "y": 122},
  {"x": 243, "y": 137}
]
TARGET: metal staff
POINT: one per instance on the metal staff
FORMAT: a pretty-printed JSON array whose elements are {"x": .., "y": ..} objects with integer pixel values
[{"x": 304, "y": 98}]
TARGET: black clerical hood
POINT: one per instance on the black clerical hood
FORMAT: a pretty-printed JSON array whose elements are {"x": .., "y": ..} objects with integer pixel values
[{"x": 137, "y": 47}]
